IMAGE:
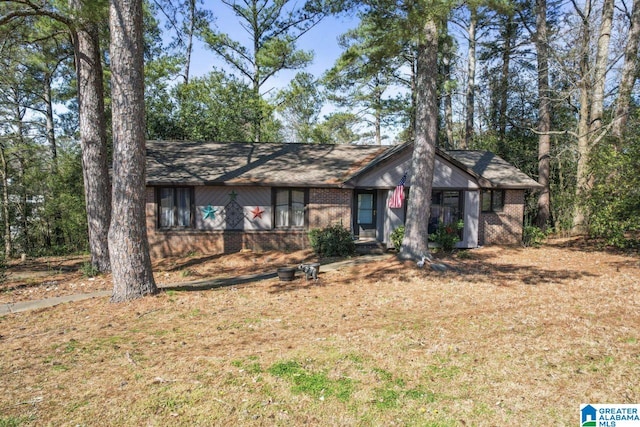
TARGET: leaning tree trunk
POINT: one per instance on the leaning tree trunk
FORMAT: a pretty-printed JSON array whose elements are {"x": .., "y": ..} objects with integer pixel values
[
  {"x": 128, "y": 244},
  {"x": 93, "y": 141},
  {"x": 416, "y": 239},
  {"x": 544, "y": 114}
]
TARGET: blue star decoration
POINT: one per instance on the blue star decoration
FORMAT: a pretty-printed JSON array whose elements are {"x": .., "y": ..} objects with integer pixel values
[{"x": 209, "y": 212}]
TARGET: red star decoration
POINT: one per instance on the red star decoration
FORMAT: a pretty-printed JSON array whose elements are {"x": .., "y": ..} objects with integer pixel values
[{"x": 257, "y": 212}]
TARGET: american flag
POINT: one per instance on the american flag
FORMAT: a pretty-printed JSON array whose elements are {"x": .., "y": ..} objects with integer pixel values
[{"x": 398, "y": 194}]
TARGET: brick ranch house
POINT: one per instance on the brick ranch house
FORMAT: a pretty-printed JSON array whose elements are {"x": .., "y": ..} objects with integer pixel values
[{"x": 214, "y": 198}]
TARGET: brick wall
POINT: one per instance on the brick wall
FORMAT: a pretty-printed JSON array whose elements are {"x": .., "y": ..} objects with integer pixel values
[
  {"x": 505, "y": 227},
  {"x": 326, "y": 206},
  {"x": 329, "y": 206}
]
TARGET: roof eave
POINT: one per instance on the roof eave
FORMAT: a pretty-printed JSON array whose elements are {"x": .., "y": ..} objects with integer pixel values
[{"x": 243, "y": 184}]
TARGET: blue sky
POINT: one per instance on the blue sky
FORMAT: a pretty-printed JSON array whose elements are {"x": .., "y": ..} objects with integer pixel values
[{"x": 322, "y": 40}]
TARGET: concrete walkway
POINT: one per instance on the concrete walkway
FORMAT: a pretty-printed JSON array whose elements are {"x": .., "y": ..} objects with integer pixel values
[{"x": 191, "y": 286}]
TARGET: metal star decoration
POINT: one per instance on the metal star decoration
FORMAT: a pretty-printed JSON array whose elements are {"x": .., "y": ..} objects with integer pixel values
[
  {"x": 257, "y": 212},
  {"x": 233, "y": 195},
  {"x": 209, "y": 212}
]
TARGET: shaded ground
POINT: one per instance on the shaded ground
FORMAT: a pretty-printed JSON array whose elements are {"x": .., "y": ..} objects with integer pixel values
[
  {"x": 509, "y": 336},
  {"x": 57, "y": 276},
  {"x": 560, "y": 259}
]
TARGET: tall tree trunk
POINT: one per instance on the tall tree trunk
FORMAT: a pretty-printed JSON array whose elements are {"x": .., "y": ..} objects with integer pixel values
[
  {"x": 190, "y": 31},
  {"x": 93, "y": 141},
  {"x": 128, "y": 244},
  {"x": 22, "y": 208},
  {"x": 377, "y": 119},
  {"x": 8, "y": 247},
  {"x": 50, "y": 127},
  {"x": 257, "y": 120},
  {"x": 583, "y": 124},
  {"x": 58, "y": 234},
  {"x": 471, "y": 79},
  {"x": 629, "y": 71},
  {"x": 600, "y": 68},
  {"x": 544, "y": 115},
  {"x": 411, "y": 59},
  {"x": 416, "y": 239},
  {"x": 590, "y": 131},
  {"x": 448, "y": 89},
  {"x": 508, "y": 37}
]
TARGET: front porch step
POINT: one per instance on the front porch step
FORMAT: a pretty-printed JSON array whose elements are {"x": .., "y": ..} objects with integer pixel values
[{"x": 364, "y": 247}]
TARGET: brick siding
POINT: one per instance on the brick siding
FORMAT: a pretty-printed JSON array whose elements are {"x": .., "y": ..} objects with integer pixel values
[
  {"x": 504, "y": 227},
  {"x": 329, "y": 206},
  {"x": 326, "y": 206}
]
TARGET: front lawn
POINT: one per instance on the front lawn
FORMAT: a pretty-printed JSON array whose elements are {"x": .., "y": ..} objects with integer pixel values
[{"x": 511, "y": 336}]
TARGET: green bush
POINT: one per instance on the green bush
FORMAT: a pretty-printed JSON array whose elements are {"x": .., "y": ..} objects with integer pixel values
[
  {"x": 397, "y": 236},
  {"x": 89, "y": 270},
  {"x": 614, "y": 200},
  {"x": 532, "y": 236},
  {"x": 446, "y": 236},
  {"x": 334, "y": 240}
]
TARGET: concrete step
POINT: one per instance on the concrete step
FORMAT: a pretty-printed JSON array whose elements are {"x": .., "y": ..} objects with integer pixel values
[{"x": 370, "y": 247}]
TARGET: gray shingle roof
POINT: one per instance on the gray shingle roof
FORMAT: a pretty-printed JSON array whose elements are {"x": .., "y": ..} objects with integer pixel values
[
  {"x": 203, "y": 163},
  {"x": 304, "y": 165},
  {"x": 498, "y": 172}
]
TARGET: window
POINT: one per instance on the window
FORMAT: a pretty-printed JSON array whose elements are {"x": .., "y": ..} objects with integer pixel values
[
  {"x": 492, "y": 200},
  {"x": 446, "y": 208},
  {"x": 175, "y": 209},
  {"x": 290, "y": 207}
]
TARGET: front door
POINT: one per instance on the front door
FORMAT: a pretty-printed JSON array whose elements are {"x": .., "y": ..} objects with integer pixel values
[{"x": 365, "y": 224}]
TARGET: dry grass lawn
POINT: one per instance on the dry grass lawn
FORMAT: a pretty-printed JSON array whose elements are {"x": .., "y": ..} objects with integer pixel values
[{"x": 512, "y": 336}]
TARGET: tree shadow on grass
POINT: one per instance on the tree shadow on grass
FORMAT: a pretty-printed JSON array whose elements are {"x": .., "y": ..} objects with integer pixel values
[
  {"x": 477, "y": 270},
  {"x": 505, "y": 274},
  {"x": 190, "y": 262},
  {"x": 476, "y": 267}
]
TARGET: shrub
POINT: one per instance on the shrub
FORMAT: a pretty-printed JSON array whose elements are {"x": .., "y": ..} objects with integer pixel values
[
  {"x": 614, "y": 200},
  {"x": 446, "y": 236},
  {"x": 532, "y": 236},
  {"x": 89, "y": 270},
  {"x": 396, "y": 237},
  {"x": 333, "y": 240}
]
